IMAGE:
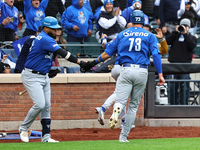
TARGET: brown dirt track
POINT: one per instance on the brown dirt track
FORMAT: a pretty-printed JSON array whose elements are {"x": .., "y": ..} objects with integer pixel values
[{"x": 108, "y": 134}]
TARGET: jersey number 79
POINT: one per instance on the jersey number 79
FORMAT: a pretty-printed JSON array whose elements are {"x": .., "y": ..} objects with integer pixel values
[{"x": 137, "y": 44}]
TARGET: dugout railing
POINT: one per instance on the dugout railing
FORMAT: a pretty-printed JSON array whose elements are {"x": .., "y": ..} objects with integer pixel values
[{"x": 189, "y": 110}]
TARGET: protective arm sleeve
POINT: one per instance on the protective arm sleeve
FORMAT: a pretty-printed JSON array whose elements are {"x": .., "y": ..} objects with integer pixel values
[
  {"x": 157, "y": 63},
  {"x": 67, "y": 55}
]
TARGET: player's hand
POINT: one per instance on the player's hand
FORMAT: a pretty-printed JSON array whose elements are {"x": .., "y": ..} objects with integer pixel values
[
  {"x": 75, "y": 28},
  {"x": 53, "y": 73},
  {"x": 161, "y": 79},
  {"x": 159, "y": 33},
  {"x": 87, "y": 66}
]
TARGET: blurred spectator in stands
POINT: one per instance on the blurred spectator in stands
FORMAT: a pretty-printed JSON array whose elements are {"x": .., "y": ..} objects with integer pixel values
[
  {"x": 21, "y": 25},
  {"x": 97, "y": 4},
  {"x": 181, "y": 51},
  {"x": 77, "y": 21},
  {"x": 24, "y": 51},
  {"x": 59, "y": 38},
  {"x": 168, "y": 15},
  {"x": 4, "y": 67},
  {"x": 19, "y": 4},
  {"x": 86, "y": 4},
  {"x": 136, "y": 5},
  {"x": 110, "y": 22},
  {"x": 54, "y": 7},
  {"x": 10, "y": 24},
  {"x": 34, "y": 12},
  {"x": 187, "y": 11}
]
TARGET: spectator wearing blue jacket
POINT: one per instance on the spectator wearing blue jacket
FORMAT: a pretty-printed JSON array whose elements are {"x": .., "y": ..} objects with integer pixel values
[
  {"x": 136, "y": 5},
  {"x": 8, "y": 11},
  {"x": 34, "y": 12},
  {"x": 86, "y": 4},
  {"x": 77, "y": 21}
]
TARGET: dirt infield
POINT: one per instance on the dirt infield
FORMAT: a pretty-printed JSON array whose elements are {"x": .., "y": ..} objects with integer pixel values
[{"x": 108, "y": 134}]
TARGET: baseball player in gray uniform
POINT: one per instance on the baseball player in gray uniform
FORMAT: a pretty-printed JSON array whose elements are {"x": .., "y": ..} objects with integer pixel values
[
  {"x": 36, "y": 80},
  {"x": 133, "y": 46}
]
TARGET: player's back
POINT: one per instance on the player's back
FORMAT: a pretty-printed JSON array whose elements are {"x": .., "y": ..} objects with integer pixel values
[{"x": 135, "y": 45}]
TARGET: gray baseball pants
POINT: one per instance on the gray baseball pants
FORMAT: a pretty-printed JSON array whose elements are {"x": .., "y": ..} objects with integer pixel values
[
  {"x": 132, "y": 81},
  {"x": 38, "y": 88}
]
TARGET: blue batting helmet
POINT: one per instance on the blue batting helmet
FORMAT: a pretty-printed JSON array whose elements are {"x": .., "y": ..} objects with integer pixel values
[
  {"x": 50, "y": 22},
  {"x": 137, "y": 1},
  {"x": 137, "y": 16}
]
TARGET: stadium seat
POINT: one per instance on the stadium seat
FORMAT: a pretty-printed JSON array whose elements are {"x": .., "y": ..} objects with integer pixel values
[
  {"x": 75, "y": 49},
  {"x": 93, "y": 51},
  {"x": 93, "y": 38}
]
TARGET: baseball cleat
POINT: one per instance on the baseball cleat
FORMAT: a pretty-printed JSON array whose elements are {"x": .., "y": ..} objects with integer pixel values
[
  {"x": 50, "y": 140},
  {"x": 123, "y": 141},
  {"x": 24, "y": 136},
  {"x": 100, "y": 112},
  {"x": 114, "y": 117}
]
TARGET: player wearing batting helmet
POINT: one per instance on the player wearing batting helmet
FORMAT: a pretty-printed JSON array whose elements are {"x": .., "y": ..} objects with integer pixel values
[
  {"x": 133, "y": 47},
  {"x": 36, "y": 80}
]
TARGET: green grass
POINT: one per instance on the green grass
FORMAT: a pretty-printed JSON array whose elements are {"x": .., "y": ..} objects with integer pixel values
[{"x": 137, "y": 144}]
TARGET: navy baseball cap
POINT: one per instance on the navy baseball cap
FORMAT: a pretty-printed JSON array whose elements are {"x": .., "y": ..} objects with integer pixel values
[{"x": 137, "y": 16}]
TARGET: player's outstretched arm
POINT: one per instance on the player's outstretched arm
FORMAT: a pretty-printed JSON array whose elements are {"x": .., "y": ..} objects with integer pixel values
[
  {"x": 68, "y": 56},
  {"x": 87, "y": 66}
]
